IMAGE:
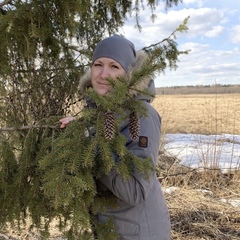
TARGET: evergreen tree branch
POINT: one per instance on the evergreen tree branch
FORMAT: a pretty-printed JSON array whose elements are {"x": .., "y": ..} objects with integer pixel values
[
  {"x": 50, "y": 173},
  {"x": 182, "y": 27},
  {"x": 5, "y": 129},
  {"x": 31, "y": 70}
]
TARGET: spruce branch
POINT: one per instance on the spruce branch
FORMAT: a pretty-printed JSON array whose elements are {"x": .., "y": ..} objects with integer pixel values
[
  {"x": 182, "y": 27},
  {"x": 44, "y": 171},
  {"x": 165, "y": 53},
  {"x": 5, "y": 129}
]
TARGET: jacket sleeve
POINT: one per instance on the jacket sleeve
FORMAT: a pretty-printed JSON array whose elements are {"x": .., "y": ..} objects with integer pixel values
[{"x": 136, "y": 189}]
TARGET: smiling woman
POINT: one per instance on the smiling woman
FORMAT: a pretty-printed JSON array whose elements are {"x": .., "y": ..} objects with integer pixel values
[
  {"x": 112, "y": 58},
  {"x": 102, "y": 69},
  {"x": 141, "y": 212}
]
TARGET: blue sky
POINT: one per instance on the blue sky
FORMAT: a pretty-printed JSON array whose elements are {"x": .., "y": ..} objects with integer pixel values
[{"x": 213, "y": 38}]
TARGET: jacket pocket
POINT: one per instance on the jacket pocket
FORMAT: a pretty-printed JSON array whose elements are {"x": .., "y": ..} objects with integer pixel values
[{"x": 128, "y": 230}]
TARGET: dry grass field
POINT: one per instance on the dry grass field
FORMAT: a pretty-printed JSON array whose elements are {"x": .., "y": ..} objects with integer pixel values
[
  {"x": 203, "y": 114},
  {"x": 200, "y": 207}
]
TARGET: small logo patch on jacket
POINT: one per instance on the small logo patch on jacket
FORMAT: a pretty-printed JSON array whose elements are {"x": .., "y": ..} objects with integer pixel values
[{"x": 143, "y": 141}]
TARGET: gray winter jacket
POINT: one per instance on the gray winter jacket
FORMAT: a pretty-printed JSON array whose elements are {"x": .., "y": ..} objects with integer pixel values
[{"x": 142, "y": 213}]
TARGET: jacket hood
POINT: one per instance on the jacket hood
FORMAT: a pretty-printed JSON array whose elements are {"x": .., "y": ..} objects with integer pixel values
[{"x": 146, "y": 84}]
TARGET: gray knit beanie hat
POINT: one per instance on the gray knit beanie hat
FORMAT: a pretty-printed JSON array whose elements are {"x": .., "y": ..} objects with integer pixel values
[{"x": 118, "y": 48}]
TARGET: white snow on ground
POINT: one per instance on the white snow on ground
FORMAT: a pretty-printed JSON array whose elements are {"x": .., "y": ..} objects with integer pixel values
[{"x": 205, "y": 151}]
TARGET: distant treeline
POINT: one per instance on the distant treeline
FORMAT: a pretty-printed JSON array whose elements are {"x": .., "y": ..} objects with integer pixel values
[{"x": 199, "y": 89}]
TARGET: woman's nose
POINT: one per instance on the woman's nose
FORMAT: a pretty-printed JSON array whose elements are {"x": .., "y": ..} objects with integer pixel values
[{"x": 104, "y": 72}]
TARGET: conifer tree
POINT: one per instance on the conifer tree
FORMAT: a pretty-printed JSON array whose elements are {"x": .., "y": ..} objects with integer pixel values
[{"x": 47, "y": 173}]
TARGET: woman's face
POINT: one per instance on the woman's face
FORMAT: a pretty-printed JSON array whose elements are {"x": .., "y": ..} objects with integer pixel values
[{"x": 102, "y": 69}]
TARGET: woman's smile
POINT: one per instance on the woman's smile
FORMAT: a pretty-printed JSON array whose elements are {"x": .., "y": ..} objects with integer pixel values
[{"x": 102, "y": 69}]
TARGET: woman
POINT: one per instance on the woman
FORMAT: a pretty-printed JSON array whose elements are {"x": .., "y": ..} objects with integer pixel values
[{"x": 142, "y": 213}]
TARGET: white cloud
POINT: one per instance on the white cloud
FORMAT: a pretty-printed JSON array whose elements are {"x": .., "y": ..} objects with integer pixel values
[
  {"x": 235, "y": 34},
  {"x": 216, "y": 31},
  {"x": 216, "y": 69},
  {"x": 212, "y": 56},
  {"x": 202, "y": 22},
  {"x": 203, "y": 66},
  {"x": 194, "y": 47},
  {"x": 198, "y": 2}
]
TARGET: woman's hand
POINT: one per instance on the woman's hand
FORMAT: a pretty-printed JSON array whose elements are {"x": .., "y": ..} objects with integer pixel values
[{"x": 65, "y": 121}]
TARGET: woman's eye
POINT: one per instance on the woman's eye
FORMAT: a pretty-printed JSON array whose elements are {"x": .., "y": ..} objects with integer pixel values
[
  {"x": 97, "y": 64},
  {"x": 115, "y": 66}
]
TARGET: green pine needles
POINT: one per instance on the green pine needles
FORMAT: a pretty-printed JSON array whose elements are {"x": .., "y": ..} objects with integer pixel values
[
  {"x": 54, "y": 175},
  {"x": 81, "y": 154},
  {"x": 48, "y": 174}
]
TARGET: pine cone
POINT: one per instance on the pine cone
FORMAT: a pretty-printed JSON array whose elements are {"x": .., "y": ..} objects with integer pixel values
[
  {"x": 109, "y": 125},
  {"x": 134, "y": 126}
]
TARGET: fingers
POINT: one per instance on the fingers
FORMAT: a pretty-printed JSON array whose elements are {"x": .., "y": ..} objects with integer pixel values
[{"x": 65, "y": 121}]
